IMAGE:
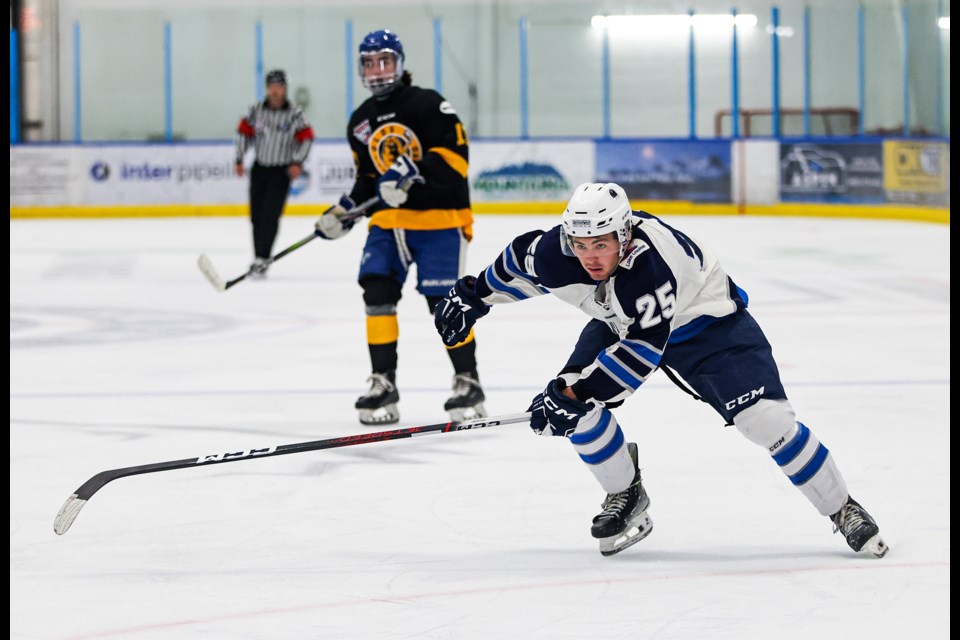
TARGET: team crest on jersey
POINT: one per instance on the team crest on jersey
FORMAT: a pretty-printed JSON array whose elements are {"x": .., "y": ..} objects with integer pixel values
[
  {"x": 391, "y": 141},
  {"x": 362, "y": 132},
  {"x": 639, "y": 247}
]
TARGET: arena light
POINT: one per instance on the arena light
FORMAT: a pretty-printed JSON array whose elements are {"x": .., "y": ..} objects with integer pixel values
[
  {"x": 783, "y": 32},
  {"x": 671, "y": 21},
  {"x": 944, "y": 23}
]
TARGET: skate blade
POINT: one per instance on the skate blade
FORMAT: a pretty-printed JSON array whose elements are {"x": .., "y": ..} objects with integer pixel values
[
  {"x": 876, "y": 546},
  {"x": 386, "y": 414},
  {"x": 636, "y": 531},
  {"x": 468, "y": 413}
]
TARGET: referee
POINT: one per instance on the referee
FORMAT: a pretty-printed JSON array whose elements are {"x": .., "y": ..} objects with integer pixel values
[{"x": 281, "y": 138}]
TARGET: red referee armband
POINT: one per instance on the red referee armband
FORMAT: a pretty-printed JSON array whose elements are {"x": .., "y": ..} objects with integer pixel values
[
  {"x": 304, "y": 134},
  {"x": 245, "y": 129}
]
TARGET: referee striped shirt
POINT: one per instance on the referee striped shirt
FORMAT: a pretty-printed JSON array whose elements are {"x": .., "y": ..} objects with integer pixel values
[{"x": 279, "y": 136}]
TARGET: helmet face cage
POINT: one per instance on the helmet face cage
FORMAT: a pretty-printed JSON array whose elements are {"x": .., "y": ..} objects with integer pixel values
[
  {"x": 596, "y": 210},
  {"x": 379, "y": 82}
]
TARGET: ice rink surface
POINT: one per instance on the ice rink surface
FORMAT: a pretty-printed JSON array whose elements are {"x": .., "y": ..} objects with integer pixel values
[{"x": 122, "y": 354}]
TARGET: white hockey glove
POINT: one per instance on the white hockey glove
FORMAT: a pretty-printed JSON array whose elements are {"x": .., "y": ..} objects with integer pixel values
[
  {"x": 393, "y": 185},
  {"x": 332, "y": 224}
]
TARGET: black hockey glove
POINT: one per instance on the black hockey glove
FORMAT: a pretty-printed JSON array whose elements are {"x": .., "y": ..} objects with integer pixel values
[
  {"x": 554, "y": 414},
  {"x": 456, "y": 313}
]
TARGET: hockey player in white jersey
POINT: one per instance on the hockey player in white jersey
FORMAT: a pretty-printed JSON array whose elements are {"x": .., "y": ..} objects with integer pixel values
[{"x": 657, "y": 299}]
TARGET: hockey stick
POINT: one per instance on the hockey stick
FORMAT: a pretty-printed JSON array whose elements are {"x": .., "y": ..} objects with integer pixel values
[
  {"x": 68, "y": 512},
  {"x": 206, "y": 266}
]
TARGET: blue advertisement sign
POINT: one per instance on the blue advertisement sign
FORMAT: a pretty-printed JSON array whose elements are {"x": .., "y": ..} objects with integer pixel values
[
  {"x": 831, "y": 172},
  {"x": 694, "y": 170}
]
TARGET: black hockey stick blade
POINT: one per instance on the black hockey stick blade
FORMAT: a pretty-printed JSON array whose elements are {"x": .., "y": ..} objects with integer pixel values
[
  {"x": 206, "y": 265},
  {"x": 71, "y": 508}
]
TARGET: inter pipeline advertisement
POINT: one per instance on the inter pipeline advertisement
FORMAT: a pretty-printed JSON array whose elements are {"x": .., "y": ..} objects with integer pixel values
[
  {"x": 162, "y": 174},
  {"x": 62, "y": 175}
]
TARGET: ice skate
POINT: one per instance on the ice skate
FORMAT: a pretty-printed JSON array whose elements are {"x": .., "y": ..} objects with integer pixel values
[
  {"x": 379, "y": 405},
  {"x": 258, "y": 270},
  {"x": 466, "y": 403},
  {"x": 860, "y": 530},
  {"x": 624, "y": 520}
]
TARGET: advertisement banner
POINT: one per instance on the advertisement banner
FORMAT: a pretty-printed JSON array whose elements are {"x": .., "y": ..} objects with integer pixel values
[
  {"x": 161, "y": 174},
  {"x": 698, "y": 171},
  {"x": 831, "y": 172},
  {"x": 43, "y": 175},
  {"x": 525, "y": 171},
  {"x": 916, "y": 171},
  {"x": 500, "y": 171},
  {"x": 203, "y": 174},
  {"x": 331, "y": 172}
]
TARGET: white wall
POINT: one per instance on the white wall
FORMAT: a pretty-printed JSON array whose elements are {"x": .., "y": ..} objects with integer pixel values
[{"x": 122, "y": 73}]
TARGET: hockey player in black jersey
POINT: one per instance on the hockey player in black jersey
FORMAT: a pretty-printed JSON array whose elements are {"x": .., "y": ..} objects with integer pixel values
[
  {"x": 658, "y": 299},
  {"x": 410, "y": 149}
]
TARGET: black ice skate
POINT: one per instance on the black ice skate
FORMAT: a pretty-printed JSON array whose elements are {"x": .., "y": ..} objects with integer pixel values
[
  {"x": 466, "y": 403},
  {"x": 624, "y": 520},
  {"x": 379, "y": 404},
  {"x": 860, "y": 530},
  {"x": 258, "y": 270}
]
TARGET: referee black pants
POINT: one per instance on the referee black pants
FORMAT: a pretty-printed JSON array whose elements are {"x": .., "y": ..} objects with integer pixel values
[{"x": 269, "y": 187}]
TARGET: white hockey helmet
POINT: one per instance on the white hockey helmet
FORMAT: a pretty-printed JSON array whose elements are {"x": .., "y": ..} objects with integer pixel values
[{"x": 596, "y": 209}]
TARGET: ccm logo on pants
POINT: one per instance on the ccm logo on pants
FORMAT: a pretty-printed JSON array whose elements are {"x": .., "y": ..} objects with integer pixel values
[{"x": 747, "y": 397}]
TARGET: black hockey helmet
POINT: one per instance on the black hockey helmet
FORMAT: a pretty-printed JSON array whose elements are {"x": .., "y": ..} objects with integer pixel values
[{"x": 276, "y": 76}]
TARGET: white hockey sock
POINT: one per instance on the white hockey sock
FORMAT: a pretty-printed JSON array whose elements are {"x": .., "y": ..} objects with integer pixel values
[
  {"x": 811, "y": 469},
  {"x": 600, "y": 443},
  {"x": 795, "y": 448}
]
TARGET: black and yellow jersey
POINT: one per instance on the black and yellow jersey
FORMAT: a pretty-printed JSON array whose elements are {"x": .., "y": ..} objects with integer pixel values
[{"x": 420, "y": 123}]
